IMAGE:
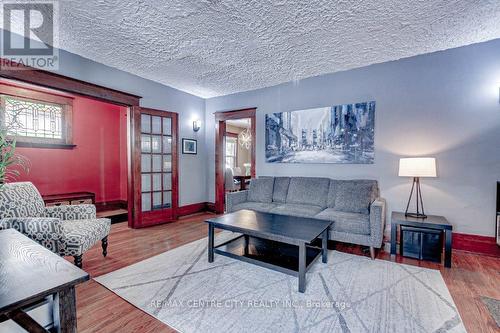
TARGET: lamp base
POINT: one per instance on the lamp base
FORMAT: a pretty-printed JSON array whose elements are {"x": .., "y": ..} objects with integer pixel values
[
  {"x": 420, "y": 203},
  {"x": 416, "y": 215}
]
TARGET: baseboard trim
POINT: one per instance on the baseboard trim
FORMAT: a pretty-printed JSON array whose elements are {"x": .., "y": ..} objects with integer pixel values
[
  {"x": 476, "y": 244},
  {"x": 211, "y": 207},
  {"x": 191, "y": 209},
  {"x": 462, "y": 242}
]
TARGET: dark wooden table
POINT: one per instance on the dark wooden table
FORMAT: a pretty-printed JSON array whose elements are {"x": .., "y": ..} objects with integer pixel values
[
  {"x": 29, "y": 273},
  {"x": 242, "y": 180},
  {"x": 434, "y": 222},
  {"x": 278, "y": 242}
]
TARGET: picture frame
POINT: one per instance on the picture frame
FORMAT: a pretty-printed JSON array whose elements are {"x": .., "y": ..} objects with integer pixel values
[
  {"x": 189, "y": 146},
  {"x": 338, "y": 134}
]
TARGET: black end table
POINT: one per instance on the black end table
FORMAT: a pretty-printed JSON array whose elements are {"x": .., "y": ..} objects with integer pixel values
[{"x": 433, "y": 222}]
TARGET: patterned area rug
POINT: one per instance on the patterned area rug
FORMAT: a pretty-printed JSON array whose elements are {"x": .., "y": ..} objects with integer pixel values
[
  {"x": 349, "y": 294},
  {"x": 493, "y": 306}
]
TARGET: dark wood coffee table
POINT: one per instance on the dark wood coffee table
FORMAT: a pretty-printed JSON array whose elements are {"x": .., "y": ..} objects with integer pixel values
[{"x": 278, "y": 242}]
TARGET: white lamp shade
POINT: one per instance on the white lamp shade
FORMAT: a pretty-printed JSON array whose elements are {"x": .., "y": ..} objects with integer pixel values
[{"x": 417, "y": 167}]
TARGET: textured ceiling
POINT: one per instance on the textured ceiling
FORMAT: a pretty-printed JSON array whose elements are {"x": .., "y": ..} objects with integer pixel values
[{"x": 215, "y": 47}]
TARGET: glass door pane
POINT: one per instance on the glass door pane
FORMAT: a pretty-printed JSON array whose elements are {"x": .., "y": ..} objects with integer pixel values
[
  {"x": 167, "y": 126},
  {"x": 156, "y": 162},
  {"x": 156, "y": 125},
  {"x": 145, "y": 123}
]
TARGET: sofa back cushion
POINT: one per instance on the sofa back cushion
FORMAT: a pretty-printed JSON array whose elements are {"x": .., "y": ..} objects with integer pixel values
[
  {"x": 332, "y": 193},
  {"x": 21, "y": 200},
  {"x": 308, "y": 191},
  {"x": 280, "y": 190},
  {"x": 353, "y": 196},
  {"x": 261, "y": 190}
]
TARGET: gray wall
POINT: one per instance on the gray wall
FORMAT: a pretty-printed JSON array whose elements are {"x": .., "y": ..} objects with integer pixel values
[{"x": 444, "y": 104}]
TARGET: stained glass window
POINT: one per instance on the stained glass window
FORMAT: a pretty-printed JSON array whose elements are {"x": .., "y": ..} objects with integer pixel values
[{"x": 28, "y": 118}]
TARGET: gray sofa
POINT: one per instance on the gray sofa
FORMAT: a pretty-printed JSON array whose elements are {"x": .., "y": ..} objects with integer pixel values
[{"x": 354, "y": 206}]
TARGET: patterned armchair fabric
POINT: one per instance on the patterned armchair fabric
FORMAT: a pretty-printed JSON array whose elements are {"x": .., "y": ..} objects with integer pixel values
[
  {"x": 80, "y": 235},
  {"x": 21, "y": 200},
  {"x": 67, "y": 230},
  {"x": 46, "y": 231}
]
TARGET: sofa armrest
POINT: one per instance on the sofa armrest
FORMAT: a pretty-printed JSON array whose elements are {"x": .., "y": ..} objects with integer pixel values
[
  {"x": 43, "y": 230},
  {"x": 377, "y": 221},
  {"x": 234, "y": 198},
  {"x": 71, "y": 212}
]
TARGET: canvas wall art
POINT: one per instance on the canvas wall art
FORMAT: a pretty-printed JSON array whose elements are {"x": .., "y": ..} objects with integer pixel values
[{"x": 336, "y": 134}]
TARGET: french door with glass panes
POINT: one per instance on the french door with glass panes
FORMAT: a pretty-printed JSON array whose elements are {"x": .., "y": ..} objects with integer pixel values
[{"x": 154, "y": 167}]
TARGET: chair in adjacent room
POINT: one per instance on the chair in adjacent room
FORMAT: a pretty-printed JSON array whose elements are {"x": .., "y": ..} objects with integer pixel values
[{"x": 229, "y": 182}]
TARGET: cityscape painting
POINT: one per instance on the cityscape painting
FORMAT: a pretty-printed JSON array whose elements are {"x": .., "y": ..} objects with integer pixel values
[{"x": 337, "y": 134}]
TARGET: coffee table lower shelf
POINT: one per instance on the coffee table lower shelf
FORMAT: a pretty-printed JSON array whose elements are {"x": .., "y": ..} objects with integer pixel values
[{"x": 278, "y": 256}]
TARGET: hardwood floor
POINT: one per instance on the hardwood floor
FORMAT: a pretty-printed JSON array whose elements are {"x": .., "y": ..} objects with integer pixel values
[{"x": 100, "y": 310}]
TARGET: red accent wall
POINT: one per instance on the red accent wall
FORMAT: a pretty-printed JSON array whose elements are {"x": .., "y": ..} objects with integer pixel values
[{"x": 97, "y": 164}]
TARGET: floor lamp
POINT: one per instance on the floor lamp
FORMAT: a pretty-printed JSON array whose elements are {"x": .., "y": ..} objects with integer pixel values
[{"x": 417, "y": 167}]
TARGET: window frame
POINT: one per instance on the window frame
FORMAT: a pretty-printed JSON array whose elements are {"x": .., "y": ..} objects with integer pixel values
[
  {"x": 235, "y": 156},
  {"x": 66, "y": 142}
]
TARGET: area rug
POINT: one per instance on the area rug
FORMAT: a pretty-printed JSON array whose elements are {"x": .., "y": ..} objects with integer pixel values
[
  {"x": 493, "y": 306},
  {"x": 349, "y": 294}
]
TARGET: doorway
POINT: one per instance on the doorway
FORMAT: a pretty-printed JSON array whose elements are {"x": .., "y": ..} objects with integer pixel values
[{"x": 234, "y": 152}]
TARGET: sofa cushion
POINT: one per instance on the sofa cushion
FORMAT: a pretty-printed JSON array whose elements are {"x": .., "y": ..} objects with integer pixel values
[
  {"x": 280, "y": 190},
  {"x": 297, "y": 210},
  {"x": 354, "y": 196},
  {"x": 261, "y": 190},
  {"x": 256, "y": 206},
  {"x": 332, "y": 193},
  {"x": 308, "y": 191},
  {"x": 354, "y": 223}
]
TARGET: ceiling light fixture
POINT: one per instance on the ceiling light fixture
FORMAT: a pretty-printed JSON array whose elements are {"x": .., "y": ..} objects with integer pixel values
[{"x": 245, "y": 137}]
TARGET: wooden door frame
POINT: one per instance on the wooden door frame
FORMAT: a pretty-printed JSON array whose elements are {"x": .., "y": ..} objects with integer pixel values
[
  {"x": 135, "y": 157},
  {"x": 38, "y": 77},
  {"x": 220, "y": 129}
]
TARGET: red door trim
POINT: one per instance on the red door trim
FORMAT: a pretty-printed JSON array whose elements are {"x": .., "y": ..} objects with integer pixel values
[{"x": 38, "y": 77}]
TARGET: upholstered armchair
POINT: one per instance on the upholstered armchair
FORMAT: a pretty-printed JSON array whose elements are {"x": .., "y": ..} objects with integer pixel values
[{"x": 67, "y": 230}]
